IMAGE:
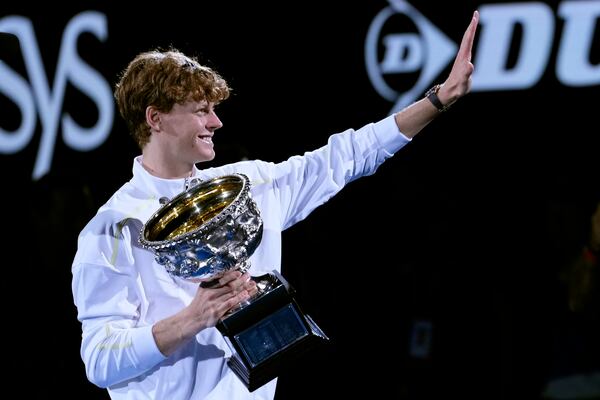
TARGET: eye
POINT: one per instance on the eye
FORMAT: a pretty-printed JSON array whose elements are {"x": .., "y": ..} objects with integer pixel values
[{"x": 204, "y": 109}]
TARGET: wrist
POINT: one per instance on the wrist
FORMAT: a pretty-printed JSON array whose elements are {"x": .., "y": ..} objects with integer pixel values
[
  {"x": 432, "y": 96},
  {"x": 189, "y": 324},
  {"x": 446, "y": 96},
  {"x": 440, "y": 97}
]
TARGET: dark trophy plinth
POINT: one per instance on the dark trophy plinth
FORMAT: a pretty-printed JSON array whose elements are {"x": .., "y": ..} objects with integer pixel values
[
  {"x": 268, "y": 333},
  {"x": 211, "y": 228}
]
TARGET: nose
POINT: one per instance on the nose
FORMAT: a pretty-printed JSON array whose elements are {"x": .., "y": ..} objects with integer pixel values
[{"x": 214, "y": 122}]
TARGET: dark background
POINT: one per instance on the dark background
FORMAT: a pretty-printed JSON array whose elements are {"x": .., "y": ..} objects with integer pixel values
[{"x": 466, "y": 228}]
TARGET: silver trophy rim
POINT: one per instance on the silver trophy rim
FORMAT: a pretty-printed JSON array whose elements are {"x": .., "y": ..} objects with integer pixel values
[{"x": 216, "y": 220}]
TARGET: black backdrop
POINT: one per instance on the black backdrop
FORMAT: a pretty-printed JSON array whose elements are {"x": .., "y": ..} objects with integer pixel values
[{"x": 463, "y": 231}]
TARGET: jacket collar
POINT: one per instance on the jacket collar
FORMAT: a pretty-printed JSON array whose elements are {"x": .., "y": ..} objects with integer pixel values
[{"x": 158, "y": 187}]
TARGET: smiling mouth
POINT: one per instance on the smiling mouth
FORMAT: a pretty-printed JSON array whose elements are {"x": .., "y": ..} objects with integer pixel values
[{"x": 206, "y": 139}]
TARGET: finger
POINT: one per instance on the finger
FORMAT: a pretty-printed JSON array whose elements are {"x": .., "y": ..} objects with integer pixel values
[
  {"x": 228, "y": 277},
  {"x": 237, "y": 284},
  {"x": 220, "y": 293},
  {"x": 252, "y": 291},
  {"x": 249, "y": 284},
  {"x": 251, "y": 288},
  {"x": 466, "y": 46},
  {"x": 241, "y": 283},
  {"x": 233, "y": 301},
  {"x": 210, "y": 282}
]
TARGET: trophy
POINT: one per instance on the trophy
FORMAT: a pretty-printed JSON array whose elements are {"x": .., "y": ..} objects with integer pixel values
[{"x": 213, "y": 227}]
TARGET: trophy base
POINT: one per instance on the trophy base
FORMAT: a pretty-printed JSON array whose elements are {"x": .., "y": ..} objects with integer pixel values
[{"x": 269, "y": 333}]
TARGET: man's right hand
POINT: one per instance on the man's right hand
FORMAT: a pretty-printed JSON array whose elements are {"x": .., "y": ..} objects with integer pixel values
[{"x": 208, "y": 306}]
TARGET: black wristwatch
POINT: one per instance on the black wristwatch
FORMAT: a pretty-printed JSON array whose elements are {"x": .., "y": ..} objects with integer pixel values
[{"x": 435, "y": 100}]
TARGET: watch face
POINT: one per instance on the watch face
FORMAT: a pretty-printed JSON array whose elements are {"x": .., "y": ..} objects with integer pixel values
[{"x": 433, "y": 90}]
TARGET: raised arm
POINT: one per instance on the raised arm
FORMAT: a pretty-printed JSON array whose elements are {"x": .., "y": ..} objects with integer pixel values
[{"x": 415, "y": 117}]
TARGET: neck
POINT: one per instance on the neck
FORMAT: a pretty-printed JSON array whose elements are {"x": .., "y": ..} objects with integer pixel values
[{"x": 163, "y": 169}]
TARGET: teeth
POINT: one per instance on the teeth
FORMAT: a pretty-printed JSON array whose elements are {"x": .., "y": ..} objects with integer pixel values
[{"x": 206, "y": 139}]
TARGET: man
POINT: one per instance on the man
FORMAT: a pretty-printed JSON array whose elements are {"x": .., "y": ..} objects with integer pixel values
[{"x": 147, "y": 334}]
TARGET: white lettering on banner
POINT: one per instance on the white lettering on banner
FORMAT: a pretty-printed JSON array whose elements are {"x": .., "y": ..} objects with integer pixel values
[
  {"x": 498, "y": 22},
  {"x": 49, "y": 101},
  {"x": 430, "y": 51},
  {"x": 572, "y": 65}
]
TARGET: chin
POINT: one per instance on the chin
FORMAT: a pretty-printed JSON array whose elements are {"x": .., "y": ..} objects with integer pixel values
[{"x": 206, "y": 157}]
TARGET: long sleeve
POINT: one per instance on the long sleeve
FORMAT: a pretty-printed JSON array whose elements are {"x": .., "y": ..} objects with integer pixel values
[
  {"x": 114, "y": 347},
  {"x": 305, "y": 182}
]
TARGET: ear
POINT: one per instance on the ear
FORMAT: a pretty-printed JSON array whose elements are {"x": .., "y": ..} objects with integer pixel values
[{"x": 153, "y": 118}]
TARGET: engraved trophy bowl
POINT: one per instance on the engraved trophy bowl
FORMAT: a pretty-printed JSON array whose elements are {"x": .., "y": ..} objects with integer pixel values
[
  {"x": 216, "y": 226},
  {"x": 212, "y": 227}
]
